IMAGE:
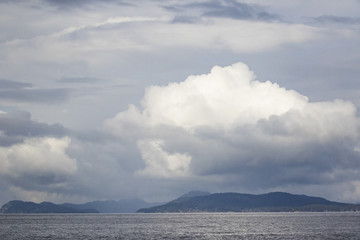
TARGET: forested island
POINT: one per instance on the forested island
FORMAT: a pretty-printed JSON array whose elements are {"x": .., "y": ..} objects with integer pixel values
[
  {"x": 109, "y": 206},
  {"x": 238, "y": 202}
]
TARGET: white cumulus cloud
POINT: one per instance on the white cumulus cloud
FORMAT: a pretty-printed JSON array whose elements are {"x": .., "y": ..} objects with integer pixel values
[
  {"x": 230, "y": 125},
  {"x": 226, "y": 97},
  {"x": 161, "y": 164},
  {"x": 231, "y": 97},
  {"x": 37, "y": 157}
]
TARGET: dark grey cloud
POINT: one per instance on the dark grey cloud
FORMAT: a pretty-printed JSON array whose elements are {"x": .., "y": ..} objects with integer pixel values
[
  {"x": 45, "y": 96},
  {"x": 38, "y": 181},
  {"x": 18, "y": 125},
  {"x": 223, "y": 9},
  {"x": 331, "y": 19},
  {"x": 69, "y": 4},
  {"x": 307, "y": 164},
  {"x": 80, "y": 80},
  {"x": 10, "y": 1},
  {"x": 185, "y": 19},
  {"x": 9, "y": 84},
  {"x": 25, "y": 92},
  {"x": 254, "y": 161}
]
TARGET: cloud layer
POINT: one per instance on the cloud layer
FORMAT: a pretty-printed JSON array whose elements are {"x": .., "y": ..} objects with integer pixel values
[{"x": 67, "y": 66}]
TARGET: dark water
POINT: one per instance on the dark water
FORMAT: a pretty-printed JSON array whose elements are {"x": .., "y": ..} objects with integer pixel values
[{"x": 182, "y": 226}]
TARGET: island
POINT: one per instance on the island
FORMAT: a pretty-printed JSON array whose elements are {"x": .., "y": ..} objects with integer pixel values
[
  {"x": 106, "y": 206},
  {"x": 240, "y": 202},
  {"x": 194, "y": 201}
]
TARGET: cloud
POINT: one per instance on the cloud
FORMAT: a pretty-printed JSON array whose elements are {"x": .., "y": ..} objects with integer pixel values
[
  {"x": 143, "y": 34},
  {"x": 51, "y": 95},
  {"x": 230, "y": 127},
  {"x": 160, "y": 163},
  {"x": 37, "y": 163},
  {"x": 9, "y": 84},
  {"x": 69, "y": 4},
  {"x": 186, "y": 19},
  {"x": 16, "y": 126},
  {"x": 43, "y": 161},
  {"x": 326, "y": 19},
  {"x": 212, "y": 131},
  {"x": 225, "y": 9},
  {"x": 223, "y": 98},
  {"x": 14, "y": 91},
  {"x": 80, "y": 80},
  {"x": 34, "y": 158}
]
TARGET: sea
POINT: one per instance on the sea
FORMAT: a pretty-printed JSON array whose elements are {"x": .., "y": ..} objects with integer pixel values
[{"x": 259, "y": 225}]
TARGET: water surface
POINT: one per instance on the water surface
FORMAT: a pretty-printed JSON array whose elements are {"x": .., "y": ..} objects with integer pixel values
[{"x": 343, "y": 225}]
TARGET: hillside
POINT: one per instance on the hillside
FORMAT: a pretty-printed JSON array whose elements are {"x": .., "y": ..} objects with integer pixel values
[
  {"x": 121, "y": 206},
  {"x": 237, "y": 202},
  {"x": 17, "y": 206}
]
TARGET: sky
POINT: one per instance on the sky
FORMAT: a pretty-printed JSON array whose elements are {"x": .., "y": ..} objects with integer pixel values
[{"x": 120, "y": 99}]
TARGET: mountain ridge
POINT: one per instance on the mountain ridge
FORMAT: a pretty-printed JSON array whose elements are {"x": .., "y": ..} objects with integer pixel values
[
  {"x": 18, "y": 206},
  {"x": 109, "y": 206},
  {"x": 194, "y": 201},
  {"x": 242, "y": 202}
]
